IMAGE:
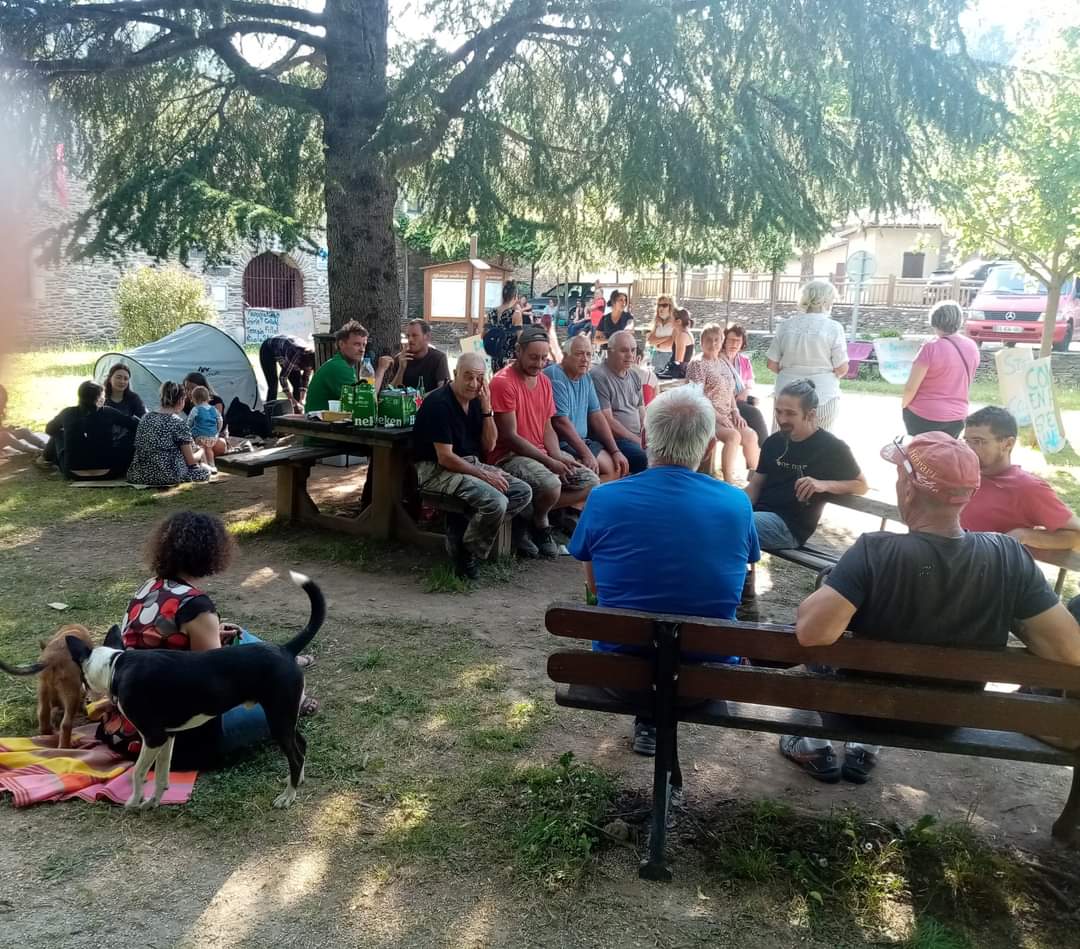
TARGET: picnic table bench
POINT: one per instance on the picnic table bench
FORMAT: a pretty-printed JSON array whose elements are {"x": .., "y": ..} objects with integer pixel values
[{"x": 928, "y": 712}]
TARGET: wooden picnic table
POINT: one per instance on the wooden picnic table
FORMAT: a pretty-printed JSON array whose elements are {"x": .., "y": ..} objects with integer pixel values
[{"x": 386, "y": 517}]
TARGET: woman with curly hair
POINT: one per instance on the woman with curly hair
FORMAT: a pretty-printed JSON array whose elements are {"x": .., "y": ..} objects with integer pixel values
[{"x": 172, "y": 611}]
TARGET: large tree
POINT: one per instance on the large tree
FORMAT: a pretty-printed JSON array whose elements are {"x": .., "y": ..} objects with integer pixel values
[
  {"x": 1023, "y": 200},
  {"x": 200, "y": 122}
]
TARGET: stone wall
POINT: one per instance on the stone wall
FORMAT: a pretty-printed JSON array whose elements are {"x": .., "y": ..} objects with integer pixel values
[{"x": 75, "y": 302}]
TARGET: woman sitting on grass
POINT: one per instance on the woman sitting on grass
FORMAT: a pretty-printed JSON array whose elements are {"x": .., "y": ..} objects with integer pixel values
[
  {"x": 165, "y": 452},
  {"x": 83, "y": 435},
  {"x": 172, "y": 611}
]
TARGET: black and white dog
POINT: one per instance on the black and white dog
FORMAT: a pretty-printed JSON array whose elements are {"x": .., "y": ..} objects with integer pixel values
[{"x": 164, "y": 691}]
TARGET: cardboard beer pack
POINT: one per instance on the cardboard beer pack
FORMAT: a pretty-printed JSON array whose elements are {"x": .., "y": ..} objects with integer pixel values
[
  {"x": 359, "y": 399},
  {"x": 397, "y": 408}
]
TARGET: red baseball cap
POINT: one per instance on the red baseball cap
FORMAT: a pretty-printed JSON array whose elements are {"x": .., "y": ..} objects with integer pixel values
[{"x": 938, "y": 463}]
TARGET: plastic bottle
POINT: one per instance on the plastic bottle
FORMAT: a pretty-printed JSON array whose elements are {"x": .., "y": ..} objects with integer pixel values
[{"x": 367, "y": 372}]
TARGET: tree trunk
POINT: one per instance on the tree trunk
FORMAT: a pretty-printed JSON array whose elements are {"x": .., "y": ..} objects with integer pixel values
[
  {"x": 360, "y": 193},
  {"x": 806, "y": 263},
  {"x": 1053, "y": 295}
]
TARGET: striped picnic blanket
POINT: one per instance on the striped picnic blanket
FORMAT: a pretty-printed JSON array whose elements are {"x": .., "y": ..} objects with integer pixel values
[{"x": 34, "y": 773}]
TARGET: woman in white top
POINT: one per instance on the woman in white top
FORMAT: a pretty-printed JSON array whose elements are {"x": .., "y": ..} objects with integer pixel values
[
  {"x": 663, "y": 330},
  {"x": 812, "y": 346}
]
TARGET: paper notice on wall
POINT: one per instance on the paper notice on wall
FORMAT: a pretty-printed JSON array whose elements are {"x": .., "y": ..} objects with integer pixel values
[
  {"x": 1012, "y": 365},
  {"x": 472, "y": 344},
  {"x": 261, "y": 323},
  {"x": 1045, "y": 416},
  {"x": 895, "y": 358}
]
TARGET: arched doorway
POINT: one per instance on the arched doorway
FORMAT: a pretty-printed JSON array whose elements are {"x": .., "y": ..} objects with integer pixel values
[{"x": 273, "y": 283}]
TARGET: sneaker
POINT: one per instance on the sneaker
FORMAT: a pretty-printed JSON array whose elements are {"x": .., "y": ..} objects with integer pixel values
[
  {"x": 644, "y": 742},
  {"x": 545, "y": 543},
  {"x": 522, "y": 542},
  {"x": 858, "y": 763},
  {"x": 820, "y": 763}
]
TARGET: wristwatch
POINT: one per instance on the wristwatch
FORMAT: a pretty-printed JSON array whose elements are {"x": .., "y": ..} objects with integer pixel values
[{"x": 487, "y": 415}]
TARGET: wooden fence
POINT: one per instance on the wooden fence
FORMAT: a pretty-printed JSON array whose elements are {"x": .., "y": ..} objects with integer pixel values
[{"x": 888, "y": 291}]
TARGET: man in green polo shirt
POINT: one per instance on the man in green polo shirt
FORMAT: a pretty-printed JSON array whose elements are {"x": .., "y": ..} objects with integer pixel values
[{"x": 341, "y": 369}]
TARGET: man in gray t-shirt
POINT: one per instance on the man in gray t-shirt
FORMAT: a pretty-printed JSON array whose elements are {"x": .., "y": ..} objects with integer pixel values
[{"x": 618, "y": 388}]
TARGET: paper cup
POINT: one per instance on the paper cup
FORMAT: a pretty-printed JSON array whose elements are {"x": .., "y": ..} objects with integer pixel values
[{"x": 333, "y": 405}]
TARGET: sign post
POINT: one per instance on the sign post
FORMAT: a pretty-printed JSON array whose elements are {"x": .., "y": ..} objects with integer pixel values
[{"x": 861, "y": 266}]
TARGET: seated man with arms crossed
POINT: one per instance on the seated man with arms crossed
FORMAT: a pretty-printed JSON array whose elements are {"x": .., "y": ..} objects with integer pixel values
[
  {"x": 527, "y": 446},
  {"x": 578, "y": 413},
  {"x": 1010, "y": 500},
  {"x": 454, "y": 428},
  {"x": 621, "y": 397},
  {"x": 800, "y": 464},
  {"x": 937, "y": 585},
  {"x": 624, "y": 537}
]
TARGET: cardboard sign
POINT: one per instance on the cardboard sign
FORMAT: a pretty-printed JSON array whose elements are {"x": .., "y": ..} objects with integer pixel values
[
  {"x": 260, "y": 324},
  {"x": 1045, "y": 417},
  {"x": 472, "y": 344},
  {"x": 895, "y": 358},
  {"x": 1012, "y": 368}
]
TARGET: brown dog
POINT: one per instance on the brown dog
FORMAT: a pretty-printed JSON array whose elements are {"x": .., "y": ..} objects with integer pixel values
[{"x": 60, "y": 685}]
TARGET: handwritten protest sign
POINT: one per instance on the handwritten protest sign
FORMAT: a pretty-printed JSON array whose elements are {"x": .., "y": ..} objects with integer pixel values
[
  {"x": 1012, "y": 369},
  {"x": 895, "y": 357},
  {"x": 1045, "y": 417},
  {"x": 261, "y": 323}
]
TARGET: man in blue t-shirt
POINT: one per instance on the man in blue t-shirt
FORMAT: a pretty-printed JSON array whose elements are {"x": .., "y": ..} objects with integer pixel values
[
  {"x": 579, "y": 421},
  {"x": 624, "y": 537}
]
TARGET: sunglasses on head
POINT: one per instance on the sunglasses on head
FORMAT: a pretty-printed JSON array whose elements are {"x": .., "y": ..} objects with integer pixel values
[{"x": 908, "y": 467}]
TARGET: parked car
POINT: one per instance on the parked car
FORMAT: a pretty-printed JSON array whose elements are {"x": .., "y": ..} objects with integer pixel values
[
  {"x": 972, "y": 274},
  {"x": 1009, "y": 309},
  {"x": 566, "y": 295}
]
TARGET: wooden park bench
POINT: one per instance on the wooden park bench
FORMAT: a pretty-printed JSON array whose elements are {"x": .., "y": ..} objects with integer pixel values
[
  {"x": 785, "y": 700},
  {"x": 293, "y": 463}
]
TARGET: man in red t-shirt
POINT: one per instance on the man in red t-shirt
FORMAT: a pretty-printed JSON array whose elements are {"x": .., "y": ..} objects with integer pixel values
[
  {"x": 1011, "y": 500},
  {"x": 527, "y": 446}
]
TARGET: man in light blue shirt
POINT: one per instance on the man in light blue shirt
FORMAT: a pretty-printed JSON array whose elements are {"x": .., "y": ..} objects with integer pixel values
[
  {"x": 624, "y": 536},
  {"x": 579, "y": 422}
]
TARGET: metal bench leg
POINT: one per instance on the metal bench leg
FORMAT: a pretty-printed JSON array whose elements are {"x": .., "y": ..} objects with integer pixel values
[
  {"x": 1067, "y": 826},
  {"x": 666, "y": 771}
]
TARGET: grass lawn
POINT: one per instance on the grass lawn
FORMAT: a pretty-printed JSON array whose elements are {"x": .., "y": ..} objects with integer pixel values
[{"x": 443, "y": 804}]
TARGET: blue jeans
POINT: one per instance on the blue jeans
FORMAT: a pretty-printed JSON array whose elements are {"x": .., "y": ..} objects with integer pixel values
[
  {"x": 773, "y": 533},
  {"x": 635, "y": 454},
  {"x": 241, "y": 726}
]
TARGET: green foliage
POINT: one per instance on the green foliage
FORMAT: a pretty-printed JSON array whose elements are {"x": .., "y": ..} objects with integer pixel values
[
  {"x": 153, "y": 301},
  {"x": 1020, "y": 198},
  {"x": 512, "y": 240},
  {"x": 557, "y": 824},
  {"x": 858, "y": 866}
]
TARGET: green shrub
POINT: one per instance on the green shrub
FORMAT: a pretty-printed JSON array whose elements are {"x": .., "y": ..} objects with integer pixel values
[{"x": 153, "y": 301}]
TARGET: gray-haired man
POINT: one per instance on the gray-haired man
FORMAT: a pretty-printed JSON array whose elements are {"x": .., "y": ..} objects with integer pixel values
[
  {"x": 454, "y": 428},
  {"x": 624, "y": 537}
]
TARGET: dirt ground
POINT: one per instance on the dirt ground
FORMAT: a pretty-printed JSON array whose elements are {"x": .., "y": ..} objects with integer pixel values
[{"x": 75, "y": 875}]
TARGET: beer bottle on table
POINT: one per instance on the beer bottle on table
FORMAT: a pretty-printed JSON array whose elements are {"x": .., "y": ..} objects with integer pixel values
[{"x": 367, "y": 372}]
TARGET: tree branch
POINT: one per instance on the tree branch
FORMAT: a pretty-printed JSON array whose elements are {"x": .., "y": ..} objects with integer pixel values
[
  {"x": 66, "y": 12},
  {"x": 260, "y": 84}
]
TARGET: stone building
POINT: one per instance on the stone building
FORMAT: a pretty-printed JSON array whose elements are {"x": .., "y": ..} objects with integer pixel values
[{"x": 75, "y": 301}]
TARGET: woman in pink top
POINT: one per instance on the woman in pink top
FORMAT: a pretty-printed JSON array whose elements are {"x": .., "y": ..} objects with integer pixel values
[
  {"x": 714, "y": 375},
  {"x": 936, "y": 395}
]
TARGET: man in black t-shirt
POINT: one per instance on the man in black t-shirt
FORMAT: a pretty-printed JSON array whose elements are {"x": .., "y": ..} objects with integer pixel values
[
  {"x": 617, "y": 318},
  {"x": 419, "y": 361},
  {"x": 454, "y": 428},
  {"x": 800, "y": 464},
  {"x": 936, "y": 585}
]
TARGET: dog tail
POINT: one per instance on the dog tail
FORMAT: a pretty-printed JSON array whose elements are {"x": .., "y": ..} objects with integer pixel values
[
  {"x": 22, "y": 670},
  {"x": 318, "y": 613}
]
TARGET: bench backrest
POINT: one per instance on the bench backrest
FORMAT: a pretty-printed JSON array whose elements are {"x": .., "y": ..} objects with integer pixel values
[{"x": 932, "y": 697}]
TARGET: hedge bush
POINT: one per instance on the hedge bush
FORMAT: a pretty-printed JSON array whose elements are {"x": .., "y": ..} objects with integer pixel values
[{"x": 153, "y": 301}]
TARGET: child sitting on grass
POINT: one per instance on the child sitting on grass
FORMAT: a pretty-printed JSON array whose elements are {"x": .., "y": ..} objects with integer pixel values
[{"x": 205, "y": 423}]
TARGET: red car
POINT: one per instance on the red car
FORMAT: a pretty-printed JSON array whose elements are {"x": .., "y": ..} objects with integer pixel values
[{"x": 1009, "y": 309}]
